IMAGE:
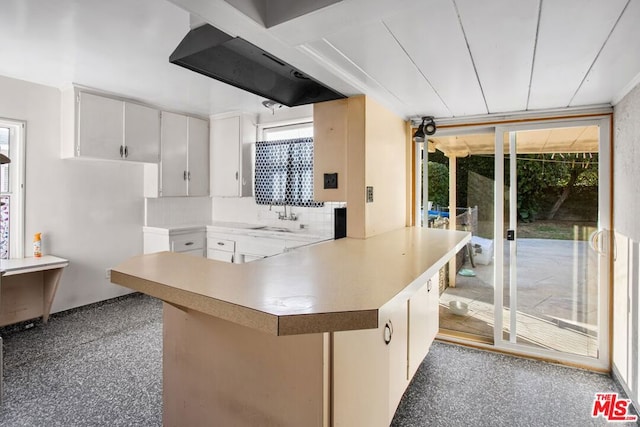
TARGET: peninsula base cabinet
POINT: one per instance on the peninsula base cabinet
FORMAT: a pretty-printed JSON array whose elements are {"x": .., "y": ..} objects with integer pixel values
[
  {"x": 423, "y": 322},
  {"x": 370, "y": 375},
  {"x": 348, "y": 378}
]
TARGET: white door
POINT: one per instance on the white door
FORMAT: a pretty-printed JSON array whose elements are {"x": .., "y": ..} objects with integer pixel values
[
  {"x": 552, "y": 278},
  {"x": 174, "y": 154}
]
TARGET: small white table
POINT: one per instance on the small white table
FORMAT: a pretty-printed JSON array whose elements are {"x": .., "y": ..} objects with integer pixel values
[{"x": 28, "y": 286}]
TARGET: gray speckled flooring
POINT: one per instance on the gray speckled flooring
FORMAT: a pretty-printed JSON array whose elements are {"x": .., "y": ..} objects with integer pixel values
[
  {"x": 101, "y": 365},
  {"x": 460, "y": 386}
]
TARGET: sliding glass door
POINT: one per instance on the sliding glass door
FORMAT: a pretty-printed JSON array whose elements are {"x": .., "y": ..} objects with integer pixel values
[
  {"x": 552, "y": 257},
  {"x": 536, "y": 197}
]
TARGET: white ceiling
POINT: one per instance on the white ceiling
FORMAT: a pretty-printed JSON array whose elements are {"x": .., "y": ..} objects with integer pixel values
[{"x": 446, "y": 58}]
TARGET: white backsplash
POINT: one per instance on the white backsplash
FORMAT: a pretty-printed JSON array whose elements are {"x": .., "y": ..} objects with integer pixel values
[
  {"x": 234, "y": 209},
  {"x": 165, "y": 211}
]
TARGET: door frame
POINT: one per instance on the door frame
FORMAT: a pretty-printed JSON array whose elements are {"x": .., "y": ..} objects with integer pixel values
[{"x": 605, "y": 218}]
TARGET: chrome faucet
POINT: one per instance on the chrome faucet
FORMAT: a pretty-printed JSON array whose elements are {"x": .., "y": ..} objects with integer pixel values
[{"x": 283, "y": 215}]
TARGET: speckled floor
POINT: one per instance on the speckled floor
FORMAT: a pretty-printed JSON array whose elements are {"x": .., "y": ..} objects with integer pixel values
[
  {"x": 101, "y": 366},
  {"x": 460, "y": 386}
]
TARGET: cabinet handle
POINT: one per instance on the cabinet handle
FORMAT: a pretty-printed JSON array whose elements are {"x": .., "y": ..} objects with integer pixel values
[
  {"x": 184, "y": 175},
  {"x": 189, "y": 175},
  {"x": 126, "y": 152},
  {"x": 220, "y": 244},
  {"x": 121, "y": 151},
  {"x": 188, "y": 244},
  {"x": 388, "y": 332}
]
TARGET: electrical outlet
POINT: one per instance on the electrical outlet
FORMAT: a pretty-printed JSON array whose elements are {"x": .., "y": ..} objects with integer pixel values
[
  {"x": 330, "y": 180},
  {"x": 369, "y": 194},
  {"x": 107, "y": 273}
]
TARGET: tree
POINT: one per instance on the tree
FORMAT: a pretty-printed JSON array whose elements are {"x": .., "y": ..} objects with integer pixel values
[
  {"x": 539, "y": 172},
  {"x": 438, "y": 184},
  {"x": 579, "y": 174}
]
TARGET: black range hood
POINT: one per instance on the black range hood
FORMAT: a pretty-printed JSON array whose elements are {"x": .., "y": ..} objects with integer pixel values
[{"x": 209, "y": 51}]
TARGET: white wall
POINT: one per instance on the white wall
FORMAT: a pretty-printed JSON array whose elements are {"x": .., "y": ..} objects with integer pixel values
[
  {"x": 626, "y": 167},
  {"x": 171, "y": 211},
  {"x": 90, "y": 212},
  {"x": 626, "y": 202}
]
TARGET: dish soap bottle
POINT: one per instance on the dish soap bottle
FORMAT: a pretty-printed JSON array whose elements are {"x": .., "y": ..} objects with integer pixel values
[{"x": 37, "y": 245}]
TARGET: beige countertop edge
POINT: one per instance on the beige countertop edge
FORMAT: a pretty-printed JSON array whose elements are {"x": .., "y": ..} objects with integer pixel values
[
  {"x": 245, "y": 316},
  {"x": 296, "y": 324}
]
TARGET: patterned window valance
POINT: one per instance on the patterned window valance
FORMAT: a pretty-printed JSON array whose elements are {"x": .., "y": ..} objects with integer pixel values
[{"x": 284, "y": 172}]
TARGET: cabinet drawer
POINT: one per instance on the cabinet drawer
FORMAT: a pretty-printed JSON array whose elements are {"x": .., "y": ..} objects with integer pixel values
[
  {"x": 221, "y": 245},
  {"x": 187, "y": 242}
]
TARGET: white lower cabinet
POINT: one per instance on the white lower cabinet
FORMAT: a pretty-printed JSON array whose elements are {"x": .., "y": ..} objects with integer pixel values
[
  {"x": 373, "y": 368},
  {"x": 250, "y": 248},
  {"x": 219, "y": 255},
  {"x": 369, "y": 374},
  {"x": 423, "y": 322},
  {"x": 220, "y": 248},
  {"x": 190, "y": 241},
  {"x": 241, "y": 248}
]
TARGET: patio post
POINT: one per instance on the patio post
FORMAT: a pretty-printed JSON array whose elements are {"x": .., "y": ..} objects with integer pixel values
[{"x": 452, "y": 213}]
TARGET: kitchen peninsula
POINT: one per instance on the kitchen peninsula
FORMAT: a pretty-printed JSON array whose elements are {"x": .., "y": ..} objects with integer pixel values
[{"x": 327, "y": 334}]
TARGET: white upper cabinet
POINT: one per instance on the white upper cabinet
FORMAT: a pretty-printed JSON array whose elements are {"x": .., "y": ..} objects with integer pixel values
[
  {"x": 174, "y": 154},
  {"x": 231, "y": 163},
  {"x": 184, "y": 158},
  {"x": 100, "y": 127},
  {"x": 198, "y": 157},
  {"x": 95, "y": 126},
  {"x": 141, "y": 133}
]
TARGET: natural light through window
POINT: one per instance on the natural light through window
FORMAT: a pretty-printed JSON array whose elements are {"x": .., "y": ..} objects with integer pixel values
[{"x": 12, "y": 190}]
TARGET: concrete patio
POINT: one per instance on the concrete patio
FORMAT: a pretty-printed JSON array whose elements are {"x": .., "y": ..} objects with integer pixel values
[{"x": 557, "y": 297}]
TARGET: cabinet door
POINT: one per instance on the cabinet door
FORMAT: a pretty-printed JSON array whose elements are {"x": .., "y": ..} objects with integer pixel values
[
  {"x": 174, "y": 154},
  {"x": 369, "y": 374},
  {"x": 219, "y": 255},
  {"x": 396, "y": 318},
  {"x": 141, "y": 133},
  {"x": 198, "y": 169},
  {"x": 423, "y": 323},
  {"x": 100, "y": 127},
  {"x": 195, "y": 252},
  {"x": 225, "y": 156}
]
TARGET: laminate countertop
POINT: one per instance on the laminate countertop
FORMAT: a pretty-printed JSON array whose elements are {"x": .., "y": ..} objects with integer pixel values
[{"x": 331, "y": 286}]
